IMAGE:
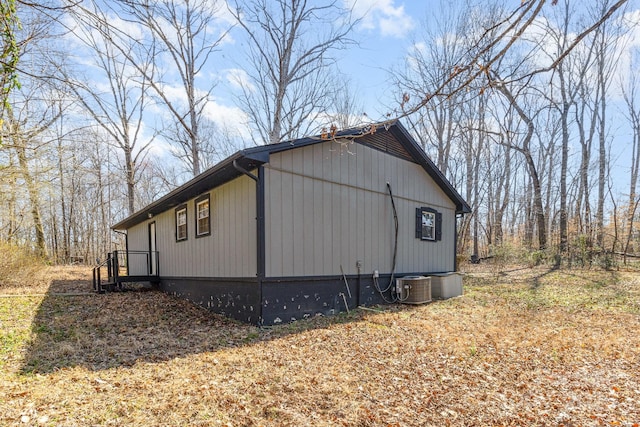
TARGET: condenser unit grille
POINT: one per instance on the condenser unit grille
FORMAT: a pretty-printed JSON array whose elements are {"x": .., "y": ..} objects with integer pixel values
[{"x": 414, "y": 289}]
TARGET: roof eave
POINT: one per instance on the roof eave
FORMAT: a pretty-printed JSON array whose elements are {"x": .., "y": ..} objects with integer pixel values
[
  {"x": 251, "y": 157},
  {"x": 176, "y": 196}
]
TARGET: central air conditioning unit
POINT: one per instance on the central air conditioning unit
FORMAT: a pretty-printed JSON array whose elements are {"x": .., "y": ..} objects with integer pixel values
[{"x": 414, "y": 289}]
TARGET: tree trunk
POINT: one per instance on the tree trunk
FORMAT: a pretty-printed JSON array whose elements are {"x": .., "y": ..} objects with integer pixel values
[
  {"x": 505, "y": 188},
  {"x": 471, "y": 219},
  {"x": 130, "y": 177},
  {"x": 34, "y": 198},
  {"x": 564, "y": 158},
  {"x": 537, "y": 204},
  {"x": 538, "y": 207},
  {"x": 64, "y": 257},
  {"x": 630, "y": 97},
  {"x": 602, "y": 170},
  {"x": 528, "y": 215},
  {"x": 601, "y": 76}
]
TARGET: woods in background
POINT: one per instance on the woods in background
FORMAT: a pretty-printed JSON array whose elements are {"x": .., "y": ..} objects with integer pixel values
[
  {"x": 525, "y": 111},
  {"x": 531, "y": 140}
]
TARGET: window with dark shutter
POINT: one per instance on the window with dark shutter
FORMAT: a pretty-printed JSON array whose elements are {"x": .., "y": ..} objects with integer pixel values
[{"x": 428, "y": 224}]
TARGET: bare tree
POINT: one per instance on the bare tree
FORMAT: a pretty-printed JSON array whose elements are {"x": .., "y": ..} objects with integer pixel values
[
  {"x": 116, "y": 96},
  {"x": 23, "y": 134},
  {"x": 474, "y": 147},
  {"x": 289, "y": 56},
  {"x": 453, "y": 67},
  {"x": 181, "y": 37},
  {"x": 606, "y": 38},
  {"x": 185, "y": 30},
  {"x": 569, "y": 74},
  {"x": 585, "y": 120},
  {"x": 345, "y": 110},
  {"x": 500, "y": 175},
  {"x": 10, "y": 53},
  {"x": 525, "y": 149},
  {"x": 215, "y": 142},
  {"x": 10, "y": 222},
  {"x": 631, "y": 94},
  {"x": 428, "y": 66},
  {"x": 498, "y": 39},
  {"x": 15, "y": 39},
  {"x": 35, "y": 107}
]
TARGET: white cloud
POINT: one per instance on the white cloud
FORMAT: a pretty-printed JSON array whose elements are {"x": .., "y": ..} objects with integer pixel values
[
  {"x": 239, "y": 79},
  {"x": 230, "y": 118},
  {"x": 175, "y": 94},
  {"x": 384, "y": 15},
  {"x": 395, "y": 22},
  {"x": 630, "y": 21},
  {"x": 419, "y": 47},
  {"x": 224, "y": 14},
  {"x": 132, "y": 29},
  {"x": 630, "y": 44}
]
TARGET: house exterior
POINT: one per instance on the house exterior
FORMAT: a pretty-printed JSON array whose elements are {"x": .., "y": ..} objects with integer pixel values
[{"x": 290, "y": 230}]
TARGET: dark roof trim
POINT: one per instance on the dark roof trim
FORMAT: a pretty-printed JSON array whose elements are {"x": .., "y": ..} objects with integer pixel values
[
  {"x": 258, "y": 152},
  {"x": 427, "y": 164},
  {"x": 250, "y": 158},
  {"x": 211, "y": 178}
]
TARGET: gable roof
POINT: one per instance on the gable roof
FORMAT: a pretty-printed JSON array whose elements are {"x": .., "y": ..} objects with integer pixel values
[{"x": 390, "y": 137}]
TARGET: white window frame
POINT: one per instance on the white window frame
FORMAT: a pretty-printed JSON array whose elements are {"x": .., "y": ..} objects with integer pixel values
[
  {"x": 428, "y": 222},
  {"x": 200, "y": 216},
  {"x": 181, "y": 221}
]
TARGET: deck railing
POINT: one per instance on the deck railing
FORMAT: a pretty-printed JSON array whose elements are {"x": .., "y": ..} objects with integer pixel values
[{"x": 125, "y": 266}]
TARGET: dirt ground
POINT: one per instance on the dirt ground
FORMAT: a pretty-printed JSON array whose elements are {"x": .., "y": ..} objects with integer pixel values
[{"x": 522, "y": 347}]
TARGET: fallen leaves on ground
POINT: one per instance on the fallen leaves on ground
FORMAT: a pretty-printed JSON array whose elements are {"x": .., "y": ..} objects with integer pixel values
[{"x": 526, "y": 347}]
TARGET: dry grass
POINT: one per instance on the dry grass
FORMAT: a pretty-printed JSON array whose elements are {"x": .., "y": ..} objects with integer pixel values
[
  {"x": 20, "y": 270},
  {"x": 524, "y": 347}
]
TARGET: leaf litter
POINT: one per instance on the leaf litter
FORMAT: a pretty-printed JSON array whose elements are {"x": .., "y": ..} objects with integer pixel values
[{"x": 526, "y": 347}]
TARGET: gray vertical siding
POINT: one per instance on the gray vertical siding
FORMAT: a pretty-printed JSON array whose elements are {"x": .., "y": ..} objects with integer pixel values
[
  {"x": 328, "y": 205},
  {"x": 230, "y": 250}
]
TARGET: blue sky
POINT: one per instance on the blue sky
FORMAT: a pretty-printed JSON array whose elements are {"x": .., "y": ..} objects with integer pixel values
[{"x": 384, "y": 35}]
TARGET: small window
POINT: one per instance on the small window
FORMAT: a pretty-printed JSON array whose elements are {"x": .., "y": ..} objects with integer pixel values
[
  {"x": 203, "y": 216},
  {"x": 181, "y": 223},
  {"x": 428, "y": 224}
]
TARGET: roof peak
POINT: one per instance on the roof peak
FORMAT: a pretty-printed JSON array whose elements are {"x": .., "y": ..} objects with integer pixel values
[{"x": 251, "y": 158}]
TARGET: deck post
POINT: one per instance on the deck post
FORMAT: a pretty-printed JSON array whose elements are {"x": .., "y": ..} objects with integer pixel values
[
  {"x": 115, "y": 269},
  {"x": 109, "y": 269}
]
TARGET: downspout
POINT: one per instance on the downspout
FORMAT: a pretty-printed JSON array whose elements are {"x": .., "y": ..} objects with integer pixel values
[
  {"x": 455, "y": 241},
  {"x": 260, "y": 227},
  {"x": 244, "y": 171}
]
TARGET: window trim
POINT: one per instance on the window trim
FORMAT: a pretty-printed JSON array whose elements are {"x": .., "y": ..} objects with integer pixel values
[
  {"x": 198, "y": 201},
  {"x": 437, "y": 226},
  {"x": 177, "y": 211},
  {"x": 432, "y": 227}
]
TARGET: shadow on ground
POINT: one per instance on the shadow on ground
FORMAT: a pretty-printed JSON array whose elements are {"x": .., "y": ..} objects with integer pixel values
[{"x": 103, "y": 331}]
